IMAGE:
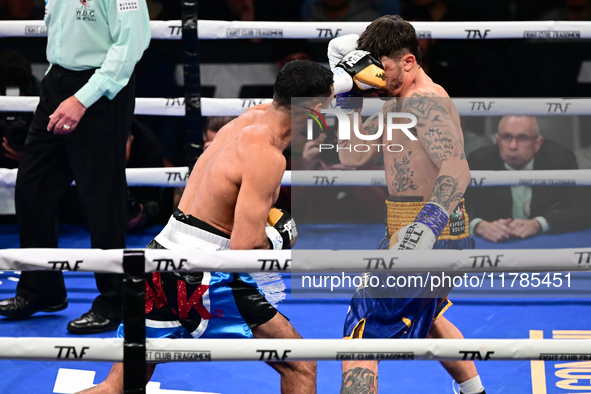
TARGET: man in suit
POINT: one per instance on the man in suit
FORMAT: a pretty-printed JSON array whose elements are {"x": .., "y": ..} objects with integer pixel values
[{"x": 500, "y": 213}]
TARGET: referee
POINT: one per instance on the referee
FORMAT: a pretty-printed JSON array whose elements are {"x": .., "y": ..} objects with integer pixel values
[{"x": 79, "y": 133}]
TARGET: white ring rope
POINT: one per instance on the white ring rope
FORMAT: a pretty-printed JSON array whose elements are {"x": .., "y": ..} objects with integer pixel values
[
  {"x": 177, "y": 177},
  {"x": 280, "y": 30},
  {"x": 177, "y": 350},
  {"x": 479, "y": 178},
  {"x": 234, "y": 107},
  {"x": 60, "y": 349},
  {"x": 415, "y": 261}
]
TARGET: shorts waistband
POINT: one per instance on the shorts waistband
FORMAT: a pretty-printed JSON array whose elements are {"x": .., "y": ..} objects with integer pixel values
[
  {"x": 401, "y": 213},
  {"x": 185, "y": 232},
  {"x": 193, "y": 221}
]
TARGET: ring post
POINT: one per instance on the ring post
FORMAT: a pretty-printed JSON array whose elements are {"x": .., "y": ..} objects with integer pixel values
[
  {"x": 134, "y": 300},
  {"x": 192, "y": 77}
]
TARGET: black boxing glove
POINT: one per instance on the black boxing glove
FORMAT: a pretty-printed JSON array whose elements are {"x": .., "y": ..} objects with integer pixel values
[
  {"x": 281, "y": 229},
  {"x": 359, "y": 71}
]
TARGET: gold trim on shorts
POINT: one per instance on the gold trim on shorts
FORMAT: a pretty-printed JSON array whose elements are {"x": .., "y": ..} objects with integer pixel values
[
  {"x": 361, "y": 325},
  {"x": 446, "y": 307},
  {"x": 402, "y": 213}
]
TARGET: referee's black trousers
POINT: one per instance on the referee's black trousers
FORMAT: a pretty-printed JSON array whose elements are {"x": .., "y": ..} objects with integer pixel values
[{"x": 93, "y": 155}]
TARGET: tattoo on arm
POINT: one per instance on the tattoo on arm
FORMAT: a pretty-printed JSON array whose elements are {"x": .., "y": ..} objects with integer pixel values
[
  {"x": 423, "y": 105},
  {"x": 402, "y": 174},
  {"x": 446, "y": 191},
  {"x": 359, "y": 381},
  {"x": 441, "y": 145},
  {"x": 370, "y": 129}
]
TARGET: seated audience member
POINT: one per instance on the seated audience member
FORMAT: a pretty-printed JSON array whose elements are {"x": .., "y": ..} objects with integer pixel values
[
  {"x": 474, "y": 134},
  {"x": 504, "y": 212},
  {"x": 213, "y": 124}
]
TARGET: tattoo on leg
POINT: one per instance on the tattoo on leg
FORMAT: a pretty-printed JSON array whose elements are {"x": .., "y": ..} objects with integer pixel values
[
  {"x": 445, "y": 191},
  {"x": 402, "y": 174},
  {"x": 359, "y": 381}
]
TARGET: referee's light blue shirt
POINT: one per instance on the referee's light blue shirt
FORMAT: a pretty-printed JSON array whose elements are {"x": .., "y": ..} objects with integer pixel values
[{"x": 109, "y": 35}]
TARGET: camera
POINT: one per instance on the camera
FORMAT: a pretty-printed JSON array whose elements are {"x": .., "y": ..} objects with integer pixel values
[{"x": 14, "y": 126}]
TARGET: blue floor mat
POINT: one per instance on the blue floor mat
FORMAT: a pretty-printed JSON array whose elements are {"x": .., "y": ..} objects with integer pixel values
[{"x": 314, "y": 318}]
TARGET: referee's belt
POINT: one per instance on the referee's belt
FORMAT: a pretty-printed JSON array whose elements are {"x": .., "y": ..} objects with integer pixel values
[{"x": 402, "y": 210}]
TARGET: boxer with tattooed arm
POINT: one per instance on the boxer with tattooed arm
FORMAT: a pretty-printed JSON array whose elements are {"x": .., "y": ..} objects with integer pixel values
[{"x": 426, "y": 181}]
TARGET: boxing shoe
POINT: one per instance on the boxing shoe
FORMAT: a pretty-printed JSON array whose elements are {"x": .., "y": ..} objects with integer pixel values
[
  {"x": 92, "y": 323},
  {"x": 19, "y": 308}
]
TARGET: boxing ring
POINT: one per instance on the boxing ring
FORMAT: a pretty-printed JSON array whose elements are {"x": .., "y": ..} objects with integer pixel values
[{"x": 521, "y": 365}]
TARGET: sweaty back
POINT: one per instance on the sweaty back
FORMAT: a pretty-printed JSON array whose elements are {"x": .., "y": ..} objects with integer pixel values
[{"x": 212, "y": 189}]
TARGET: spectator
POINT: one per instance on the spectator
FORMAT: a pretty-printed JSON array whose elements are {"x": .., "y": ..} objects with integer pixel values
[
  {"x": 15, "y": 80},
  {"x": 342, "y": 204},
  {"x": 505, "y": 212},
  {"x": 79, "y": 132},
  {"x": 474, "y": 135},
  {"x": 212, "y": 126}
]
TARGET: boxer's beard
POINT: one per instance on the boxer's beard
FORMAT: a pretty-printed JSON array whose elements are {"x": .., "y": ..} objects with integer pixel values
[{"x": 397, "y": 83}]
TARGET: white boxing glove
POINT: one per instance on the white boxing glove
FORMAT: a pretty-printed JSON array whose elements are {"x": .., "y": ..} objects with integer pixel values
[
  {"x": 281, "y": 229},
  {"x": 339, "y": 47},
  {"x": 424, "y": 231}
]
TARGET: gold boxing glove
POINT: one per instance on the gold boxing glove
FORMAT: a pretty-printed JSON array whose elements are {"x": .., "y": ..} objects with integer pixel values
[{"x": 359, "y": 71}]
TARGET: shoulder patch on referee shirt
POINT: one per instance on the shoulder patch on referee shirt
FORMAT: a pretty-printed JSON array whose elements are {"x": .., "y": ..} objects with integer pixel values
[{"x": 127, "y": 5}]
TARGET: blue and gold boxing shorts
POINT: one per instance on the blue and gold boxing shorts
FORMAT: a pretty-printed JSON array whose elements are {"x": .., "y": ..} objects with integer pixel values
[{"x": 405, "y": 312}]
